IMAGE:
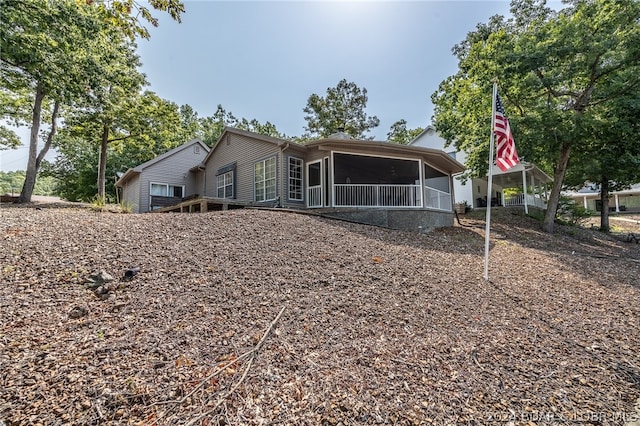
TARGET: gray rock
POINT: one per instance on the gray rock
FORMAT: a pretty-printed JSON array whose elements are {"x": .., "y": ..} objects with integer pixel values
[
  {"x": 94, "y": 281},
  {"x": 78, "y": 312}
]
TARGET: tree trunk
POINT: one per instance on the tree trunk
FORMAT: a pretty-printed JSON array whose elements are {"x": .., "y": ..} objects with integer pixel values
[
  {"x": 604, "y": 205},
  {"x": 102, "y": 162},
  {"x": 32, "y": 166},
  {"x": 50, "y": 136},
  {"x": 554, "y": 198}
]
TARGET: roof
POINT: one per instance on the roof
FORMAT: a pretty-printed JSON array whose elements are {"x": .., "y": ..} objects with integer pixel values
[
  {"x": 428, "y": 129},
  {"x": 139, "y": 168},
  {"x": 512, "y": 178},
  {"x": 594, "y": 190},
  {"x": 435, "y": 157},
  {"x": 341, "y": 140},
  {"x": 269, "y": 139}
]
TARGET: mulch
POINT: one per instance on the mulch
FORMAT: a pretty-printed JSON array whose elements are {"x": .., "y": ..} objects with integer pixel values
[{"x": 266, "y": 317}]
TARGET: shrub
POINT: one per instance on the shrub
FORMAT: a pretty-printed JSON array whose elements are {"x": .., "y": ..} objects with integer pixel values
[{"x": 571, "y": 213}]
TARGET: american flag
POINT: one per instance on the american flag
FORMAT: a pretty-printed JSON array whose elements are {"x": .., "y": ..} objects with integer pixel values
[{"x": 507, "y": 156}]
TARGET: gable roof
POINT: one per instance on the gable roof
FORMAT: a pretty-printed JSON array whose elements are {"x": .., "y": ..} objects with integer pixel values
[
  {"x": 139, "y": 168},
  {"x": 269, "y": 139},
  {"x": 428, "y": 129}
]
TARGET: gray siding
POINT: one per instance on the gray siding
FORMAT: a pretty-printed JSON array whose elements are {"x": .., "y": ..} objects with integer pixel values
[
  {"x": 245, "y": 152},
  {"x": 131, "y": 194},
  {"x": 173, "y": 170}
]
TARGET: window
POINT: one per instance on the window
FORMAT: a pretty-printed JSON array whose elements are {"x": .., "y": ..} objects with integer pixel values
[
  {"x": 265, "y": 179},
  {"x": 163, "y": 195},
  {"x": 165, "y": 190},
  {"x": 196, "y": 149},
  {"x": 225, "y": 185},
  {"x": 295, "y": 179}
]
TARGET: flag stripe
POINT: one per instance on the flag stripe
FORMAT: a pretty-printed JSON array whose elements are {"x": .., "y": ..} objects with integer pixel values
[{"x": 506, "y": 156}]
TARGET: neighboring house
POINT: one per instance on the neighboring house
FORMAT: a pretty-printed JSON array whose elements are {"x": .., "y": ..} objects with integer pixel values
[
  {"x": 164, "y": 180},
  {"x": 526, "y": 177},
  {"x": 627, "y": 200},
  {"x": 365, "y": 181}
]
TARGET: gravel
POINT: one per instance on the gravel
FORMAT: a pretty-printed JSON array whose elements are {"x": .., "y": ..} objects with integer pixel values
[{"x": 378, "y": 327}]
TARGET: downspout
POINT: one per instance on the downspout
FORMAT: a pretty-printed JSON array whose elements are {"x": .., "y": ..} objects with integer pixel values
[{"x": 203, "y": 170}]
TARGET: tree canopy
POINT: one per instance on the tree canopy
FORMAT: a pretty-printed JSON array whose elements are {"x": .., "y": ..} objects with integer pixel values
[
  {"x": 557, "y": 71},
  {"x": 55, "y": 55},
  {"x": 343, "y": 107},
  {"x": 400, "y": 134}
]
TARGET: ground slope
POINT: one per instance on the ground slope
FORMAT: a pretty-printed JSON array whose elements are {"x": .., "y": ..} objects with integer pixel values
[{"x": 378, "y": 327}]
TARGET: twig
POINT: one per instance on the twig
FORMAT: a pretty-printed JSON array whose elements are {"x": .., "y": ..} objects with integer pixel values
[{"x": 253, "y": 353}]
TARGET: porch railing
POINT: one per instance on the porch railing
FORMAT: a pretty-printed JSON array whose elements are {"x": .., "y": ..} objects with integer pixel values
[
  {"x": 518, "y": 200},
  {"x": 314, "y": 196},
  {"x": 370, "y": 195},
  {"x": 436, "y": 199}
]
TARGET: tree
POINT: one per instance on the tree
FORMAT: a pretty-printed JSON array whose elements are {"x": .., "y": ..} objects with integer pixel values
[
  {"x": 124, "y": 14},
  {"x": 343, "y": 107},
  {"x": 399, "y": 133},
  {"x": 612, "y": 157},
  {"x": 140, "y": 128},
  {"x": 111, "y": 111},
  {"x": 554, "y": 69},
  {"x": 47, "y": 61},
  {"x": 10, "y": 182},
  {"x": 211, "y": 128},
  {"x": 50, "y": 65}
]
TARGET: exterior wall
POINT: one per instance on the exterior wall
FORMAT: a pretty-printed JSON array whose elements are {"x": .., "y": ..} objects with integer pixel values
[
  {"x": 199, "y": 183},
  {"x": 463, "y": 191},
  {"x": 284, "y": 178},
  {"x": 131, "y": 194},
  {"x": 173, "y": 170},
  {"x": 245, "y": 152}
]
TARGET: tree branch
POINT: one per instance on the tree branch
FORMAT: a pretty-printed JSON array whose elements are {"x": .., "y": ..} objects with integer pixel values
[{"x": 52, "y": 133}]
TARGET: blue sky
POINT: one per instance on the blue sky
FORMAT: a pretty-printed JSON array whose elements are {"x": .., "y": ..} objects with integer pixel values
[{"x": 263, "y": 59}]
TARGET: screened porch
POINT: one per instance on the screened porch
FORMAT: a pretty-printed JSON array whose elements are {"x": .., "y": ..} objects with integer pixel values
[{"x": 373, "y": 181}]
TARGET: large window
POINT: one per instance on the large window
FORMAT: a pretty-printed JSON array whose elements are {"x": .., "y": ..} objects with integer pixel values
[
  {"x": 295, "y": 179},
  {"x": 265, "y": 179},
  {"x": 225, "y": 185},
  {"x": 166, "y": 190},
  {"x": 163, "y": 195}
]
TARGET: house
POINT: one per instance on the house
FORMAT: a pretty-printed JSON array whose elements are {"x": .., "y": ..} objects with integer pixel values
[
  {"x": 379, "y": 183},
  {"x": 365, "y": 181},
  {"x": 164, "y": 180},
  {"x": 530, "y": 183},
  {"x": 627, "y": 200}
]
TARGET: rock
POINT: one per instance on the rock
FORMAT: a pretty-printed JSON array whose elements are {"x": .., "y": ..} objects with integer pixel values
[
  {"x": 78, "y": 312},
  {"x": 130, "y": 273},
  {"x": 94, "y": 281}
]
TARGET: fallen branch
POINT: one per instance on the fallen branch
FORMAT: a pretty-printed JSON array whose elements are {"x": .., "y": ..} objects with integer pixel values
[{"x": 253, "y": 353}]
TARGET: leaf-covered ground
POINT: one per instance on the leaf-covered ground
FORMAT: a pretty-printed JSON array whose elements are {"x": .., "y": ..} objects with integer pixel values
[{"x": 379, "y": 326}]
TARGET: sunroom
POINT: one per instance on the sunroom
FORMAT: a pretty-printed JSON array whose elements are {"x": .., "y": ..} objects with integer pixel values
[{"x": 367, "y": 174}]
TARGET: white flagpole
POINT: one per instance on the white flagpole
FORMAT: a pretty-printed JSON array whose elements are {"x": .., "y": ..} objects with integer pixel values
[{"x": 490, "y": 183}]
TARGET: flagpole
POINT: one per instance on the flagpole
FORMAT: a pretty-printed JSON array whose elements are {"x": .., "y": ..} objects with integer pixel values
[{"x": 490, "y": 183}]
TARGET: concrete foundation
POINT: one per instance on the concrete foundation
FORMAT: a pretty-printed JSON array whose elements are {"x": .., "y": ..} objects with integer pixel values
[{"x": 403, "y": 219}]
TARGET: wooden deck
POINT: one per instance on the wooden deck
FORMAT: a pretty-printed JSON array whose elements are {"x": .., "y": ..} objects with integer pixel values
[{"x": 202, "y": 205}]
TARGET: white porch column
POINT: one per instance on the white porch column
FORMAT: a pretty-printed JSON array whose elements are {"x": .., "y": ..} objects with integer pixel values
[
  {"x": 524, "y": 189},
  {"x": 617, "y": 205},
  {"x": 584, "y": 201}
]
